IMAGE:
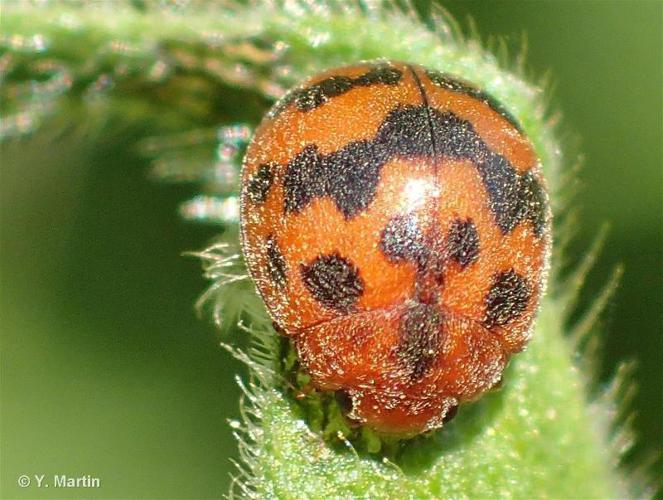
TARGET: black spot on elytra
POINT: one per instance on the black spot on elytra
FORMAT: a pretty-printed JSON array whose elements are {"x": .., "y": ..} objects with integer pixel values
[
  {"x": 507, "y": 298},
  {"x": 463, "y": 242},
  {"x": 276, "y": 267},
  {"x": 531, "y": 202},
  {"x": 318, "y": 94},
  {"x": 333, "y": 281},
  {"x": 420, "y": 338},
  {"x": 404, "y": 132},
  {"x": 350, "y": 175},
  {"x": 302, "y": 180},
  {"x": 402, "y": 240},
  {"x": 260, "y": 182},
  {"x": 448, "y": 82},
  {"x": 383, "y": 74},
  {"x": 513, "y": 197},
  {"x": 314, "y": 96}
]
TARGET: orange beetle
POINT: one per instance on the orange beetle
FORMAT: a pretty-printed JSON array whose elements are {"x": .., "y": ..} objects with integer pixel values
[{"x": 396, "y": 224}]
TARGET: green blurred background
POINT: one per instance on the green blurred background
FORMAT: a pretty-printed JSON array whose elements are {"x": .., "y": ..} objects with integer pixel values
[{"x": 106, "y": 370}]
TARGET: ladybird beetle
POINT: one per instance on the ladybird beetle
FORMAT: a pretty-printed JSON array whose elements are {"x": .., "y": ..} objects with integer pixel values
[{"x": 396, "y": 223}]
